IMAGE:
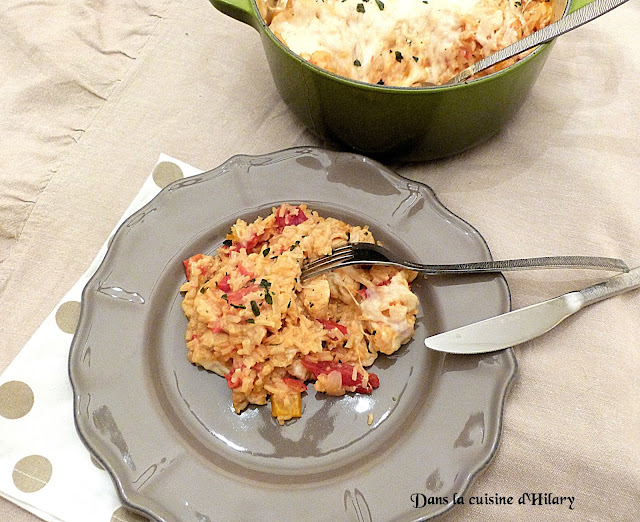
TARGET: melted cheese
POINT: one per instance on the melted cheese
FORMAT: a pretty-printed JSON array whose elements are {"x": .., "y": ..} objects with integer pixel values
[
  {"x": 402, "y": 42},
  {"x": 394, "y": 305}
]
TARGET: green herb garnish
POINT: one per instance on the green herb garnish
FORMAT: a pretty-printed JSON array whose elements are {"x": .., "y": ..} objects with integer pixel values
[
  {"x": 360, "y": 8},
  {"x": 255, "y": 309}
]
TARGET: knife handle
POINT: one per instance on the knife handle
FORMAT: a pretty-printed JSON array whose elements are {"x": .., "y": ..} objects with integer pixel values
[{"x": 611, "y": 287}]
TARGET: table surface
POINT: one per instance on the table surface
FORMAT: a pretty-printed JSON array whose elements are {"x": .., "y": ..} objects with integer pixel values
[{"x": 93, "y": 92}]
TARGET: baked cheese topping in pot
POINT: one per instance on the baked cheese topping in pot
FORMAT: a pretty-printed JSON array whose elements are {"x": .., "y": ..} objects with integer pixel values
[{"x": 402, "y": 42}]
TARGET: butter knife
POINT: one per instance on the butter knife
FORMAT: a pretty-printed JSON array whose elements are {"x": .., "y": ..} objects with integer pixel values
[
  {"x": 563, "y": 25},
  {"x": 522, "y": 325}
]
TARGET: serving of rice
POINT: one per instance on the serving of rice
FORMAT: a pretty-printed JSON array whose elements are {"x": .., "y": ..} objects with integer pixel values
[{"x": 252, "y": 321}]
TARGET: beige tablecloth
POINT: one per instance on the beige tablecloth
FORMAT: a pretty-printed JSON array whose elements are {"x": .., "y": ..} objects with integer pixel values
[{"x": 92, "y": 92}]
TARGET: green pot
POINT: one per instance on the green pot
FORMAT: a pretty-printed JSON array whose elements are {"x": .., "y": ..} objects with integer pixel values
[{"x": 398, "y": 123}]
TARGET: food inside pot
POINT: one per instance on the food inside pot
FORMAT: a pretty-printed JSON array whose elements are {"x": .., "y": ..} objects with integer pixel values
[{"x": 402, "y": 42}]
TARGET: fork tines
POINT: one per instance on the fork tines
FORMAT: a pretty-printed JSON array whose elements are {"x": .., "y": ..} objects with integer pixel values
[{"x": 323, "y": 264}]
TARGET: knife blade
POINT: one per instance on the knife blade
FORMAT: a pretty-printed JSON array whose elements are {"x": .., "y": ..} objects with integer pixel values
[{"x": 524, "y": 324}]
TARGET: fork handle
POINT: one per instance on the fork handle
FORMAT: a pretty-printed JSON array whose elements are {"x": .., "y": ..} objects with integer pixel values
[
  {"x": 611, "y": 287},
  {"x": 531, "y": 263}
]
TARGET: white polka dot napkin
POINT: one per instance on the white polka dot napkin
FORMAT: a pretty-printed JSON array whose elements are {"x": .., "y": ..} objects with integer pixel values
[{"x": 44, "y": 467}]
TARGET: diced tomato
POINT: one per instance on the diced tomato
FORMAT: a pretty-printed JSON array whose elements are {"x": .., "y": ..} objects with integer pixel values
[
  {"x": 346, "y": 371},
  {"x": 328, "y": 324},
  {"x": 287, "y": 216},
  {"x": 237, "y": 296},
  {"x": 295, "y": 384},
  {"x": 187, "y": 264},
  {"x": 385, "y": 283},
  {"x": 363, "y": 292},
  {"x": 224, "y": 285},
  {"x": 194, "y": 336},
  {"x": 233, "y": 384},
  {"x": 251, "y": 245},
  {"x": 244, "y": 271},
  {"x": 214, "y": 326}
]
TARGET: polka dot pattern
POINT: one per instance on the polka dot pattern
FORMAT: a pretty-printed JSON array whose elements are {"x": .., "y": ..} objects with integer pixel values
[
  {"x": 122, "y": 514},
  {"x": 29, "y": 469},
  {"x": 32, "y": 473},
  {"x": 16, "y": 399},
  {"x": 166, "y": 172},
  {"x": 67, "y": 316}
]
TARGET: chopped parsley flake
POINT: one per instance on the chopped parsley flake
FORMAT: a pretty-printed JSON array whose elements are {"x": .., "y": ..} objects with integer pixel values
[
  {"x": 398, "y": 56},
  {"x": 265, "y": 252},
  {"x": 227, "y": 242},
  {"x": 265, "y": 284},
  {"x": 380, "y": 5},
  {"x": 255, "y": 309},
  {"x": 360, "y": 8},
  {"x": 357, "y": 63}
]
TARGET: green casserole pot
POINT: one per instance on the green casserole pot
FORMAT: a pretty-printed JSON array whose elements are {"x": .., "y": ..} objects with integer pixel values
[{"x": 398, "y": 123}]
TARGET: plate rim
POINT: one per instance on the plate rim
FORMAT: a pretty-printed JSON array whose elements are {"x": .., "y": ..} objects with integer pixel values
[{"x": 128, "y": 496}]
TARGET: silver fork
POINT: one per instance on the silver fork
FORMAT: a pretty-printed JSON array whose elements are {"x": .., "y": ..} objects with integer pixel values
[{"x": 370, "y": 254}]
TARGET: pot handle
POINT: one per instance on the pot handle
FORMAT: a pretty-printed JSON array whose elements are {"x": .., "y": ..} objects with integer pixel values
[{"x": 241, "y": 10}]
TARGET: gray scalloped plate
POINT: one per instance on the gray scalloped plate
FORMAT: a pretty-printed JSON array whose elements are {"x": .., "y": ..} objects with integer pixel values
[{"x": 166, "y": 431}]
